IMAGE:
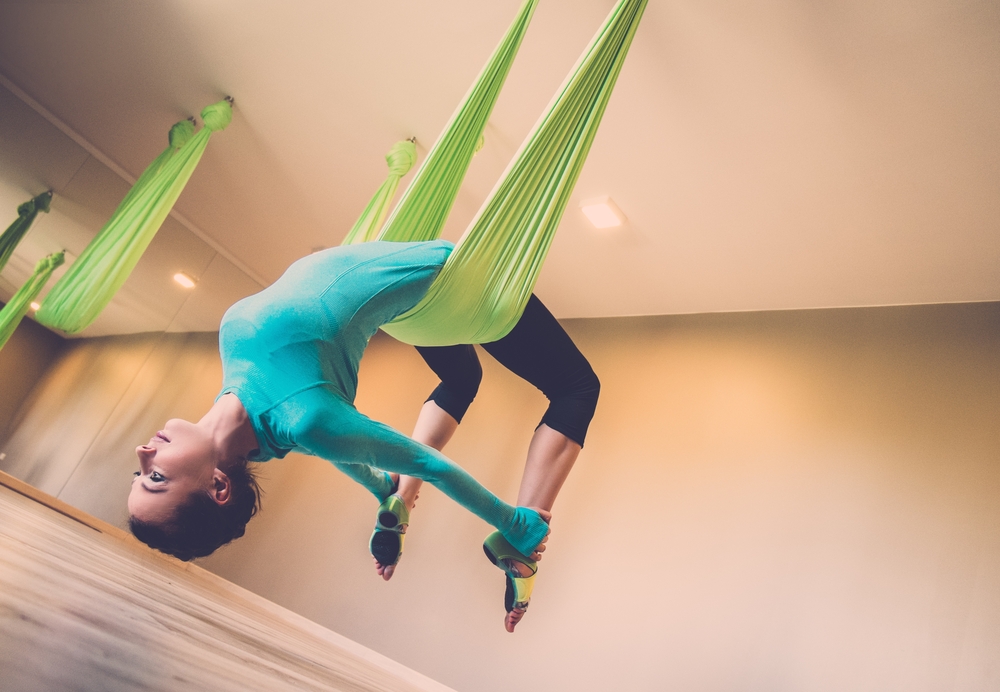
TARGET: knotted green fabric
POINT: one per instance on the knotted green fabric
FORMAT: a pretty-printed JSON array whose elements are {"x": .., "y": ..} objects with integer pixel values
[
  {"x": 180, "y": 134},
  {"x": 104, "y": 265},
  {"x": 489, "y": 277},
  {"x": 400, "y": 158},
  {"x": 26, "y": 214},
  {"x": 427, "y": 201},
  {"x": 18, "y": 306}
]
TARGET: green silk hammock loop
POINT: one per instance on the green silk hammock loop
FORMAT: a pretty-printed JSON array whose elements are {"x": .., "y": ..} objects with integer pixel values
[
  {"x": 104, "y": 265},
  {"x": 26, "y": 214},
  {"x": 218, "y": 116},
  {"x": 18, "y": 306},
  {"x": 491, "y": 273},
  {"x": 181, "y": 133},
  {"x": 427, "y": 201},
  {"x": 400, "y": 159}
]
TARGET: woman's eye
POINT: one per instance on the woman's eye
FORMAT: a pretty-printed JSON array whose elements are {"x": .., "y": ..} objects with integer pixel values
[
  {"x": 156, "y": 477},
  {"x": 137, "y": 473}
]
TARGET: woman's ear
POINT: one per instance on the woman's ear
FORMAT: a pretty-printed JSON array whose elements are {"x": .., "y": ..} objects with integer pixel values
[{"x": 222, "y": 488}]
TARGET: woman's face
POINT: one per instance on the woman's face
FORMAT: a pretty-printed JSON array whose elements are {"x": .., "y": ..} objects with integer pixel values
[{"x": 178, "y": 460}]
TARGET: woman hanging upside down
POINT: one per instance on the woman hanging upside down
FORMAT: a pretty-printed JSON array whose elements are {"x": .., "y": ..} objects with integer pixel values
[
  {"x": 291, "y": 353},
  {"x": 290, "y": 361}
]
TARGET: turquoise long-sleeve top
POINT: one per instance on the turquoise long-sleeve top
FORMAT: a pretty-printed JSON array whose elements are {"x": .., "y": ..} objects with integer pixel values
[{"x": 291, "y": 354}]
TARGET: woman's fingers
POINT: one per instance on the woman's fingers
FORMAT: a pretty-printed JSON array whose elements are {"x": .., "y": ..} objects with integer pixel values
[
  {"x": 546, "y": 515},
  {"x": 539, "y": 549}
]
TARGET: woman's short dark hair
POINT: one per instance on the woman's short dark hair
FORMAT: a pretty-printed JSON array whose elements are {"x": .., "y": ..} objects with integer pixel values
[{"x": 200, "y": 525}]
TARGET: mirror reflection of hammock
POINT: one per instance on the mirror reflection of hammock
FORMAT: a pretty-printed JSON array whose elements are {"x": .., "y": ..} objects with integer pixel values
[
  {"x": 104, "y": 265},
  {"x": 17, "y": 307},
  {"x": 492, "y": 272}
]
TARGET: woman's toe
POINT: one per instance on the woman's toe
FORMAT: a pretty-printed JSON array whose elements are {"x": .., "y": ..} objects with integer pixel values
[
  {"x": 512, "y": 618},
  {"x": 384, "y": 571}
]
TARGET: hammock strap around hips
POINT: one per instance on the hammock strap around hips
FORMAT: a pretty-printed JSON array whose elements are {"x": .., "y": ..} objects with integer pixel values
[
  {"x": 17, "y": 308},
  {"x": 486, "y": 282},
  {"x": 106, "y": 263},
  {"x": 424, "y": 207},
  {"x": 400, "y": 159}
]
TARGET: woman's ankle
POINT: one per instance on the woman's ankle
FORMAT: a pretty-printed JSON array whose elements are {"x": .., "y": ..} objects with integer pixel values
[{"x": 408, "y": 490}]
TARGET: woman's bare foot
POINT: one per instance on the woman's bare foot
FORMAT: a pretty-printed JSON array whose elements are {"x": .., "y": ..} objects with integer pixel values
[
  {"x": 514, "y": 616},
  {"x": 409, "y": 496},
  {"x": 384, "y": 571}
]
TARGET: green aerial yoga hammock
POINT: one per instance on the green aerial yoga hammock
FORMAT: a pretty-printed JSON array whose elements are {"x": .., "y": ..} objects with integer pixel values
[
  {"x": 489, "y": 277},
  {"x": 427, "y": 201},
  {"x": 18, "y": 306},
  {"x": 400, "y": 158},
  {"x": 26, "y": 214},
  {"x": 104, "y": 265}
]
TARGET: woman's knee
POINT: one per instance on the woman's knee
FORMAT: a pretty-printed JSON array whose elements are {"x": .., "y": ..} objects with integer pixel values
[
  {"x": 571, "y": 409},
  {"x": 590, "y": 386},
  {"x": 460, "y": 373}
]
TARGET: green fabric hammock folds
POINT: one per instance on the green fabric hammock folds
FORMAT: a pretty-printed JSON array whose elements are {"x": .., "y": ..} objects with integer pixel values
[
  {"x": 489, "y": 277},
  {"x": 424, "y": 207},
  {"x": 26, "y": 214},
  {"x": 18, "y": 306},
  {"x": 79, "y": 296},
  {"x": 400, "y": 158}
]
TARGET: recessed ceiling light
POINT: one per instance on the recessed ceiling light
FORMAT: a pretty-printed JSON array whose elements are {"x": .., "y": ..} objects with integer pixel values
[
  {"x": 35, "y": 306},
  {"x": 602, "y": 212},
  {"x": 184, "y": 280}
]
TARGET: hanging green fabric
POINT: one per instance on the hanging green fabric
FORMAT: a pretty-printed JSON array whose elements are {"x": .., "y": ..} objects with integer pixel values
[
  {"x": 427, "y": 201},
  {"x": 18, "y": 306},
  {"x": 104, "y": 265},
  {"x": 180, "y": 134},
  {"x": 26, "y": 214},
  {"x": 489, "y": 277},
  {"x": 400, "y": 159}
]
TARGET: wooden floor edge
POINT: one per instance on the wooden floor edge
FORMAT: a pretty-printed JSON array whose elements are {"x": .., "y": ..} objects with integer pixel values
[
  {"x": 315, "y": 629},
  {"x": 31, "y": 492}
]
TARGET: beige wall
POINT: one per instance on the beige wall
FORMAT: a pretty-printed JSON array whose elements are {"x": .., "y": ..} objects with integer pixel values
[{"x": 800, "y": 500}]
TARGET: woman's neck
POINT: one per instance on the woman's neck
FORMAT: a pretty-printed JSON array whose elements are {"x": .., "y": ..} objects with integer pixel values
[{"x": 229, "y": 426}]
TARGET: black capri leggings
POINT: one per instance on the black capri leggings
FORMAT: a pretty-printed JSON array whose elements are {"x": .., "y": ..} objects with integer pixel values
[{"x": 537, "y": 350}]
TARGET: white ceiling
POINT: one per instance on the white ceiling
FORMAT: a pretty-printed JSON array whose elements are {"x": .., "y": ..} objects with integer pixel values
[{"x": 768, "y": 155}]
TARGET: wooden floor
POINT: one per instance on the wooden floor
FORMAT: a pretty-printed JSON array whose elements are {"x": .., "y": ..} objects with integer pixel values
[{"x": 84, "y": 607}]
